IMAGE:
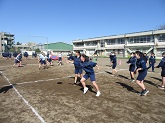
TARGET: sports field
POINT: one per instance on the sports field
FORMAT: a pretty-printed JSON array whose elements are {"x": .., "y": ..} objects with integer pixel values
[{"x": 49, "y": 95}]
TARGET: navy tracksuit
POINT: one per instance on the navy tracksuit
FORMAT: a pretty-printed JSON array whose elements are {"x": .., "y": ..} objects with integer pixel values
[
  {"x": 152, "y": 62},
  {"x": 88, "y": 68},
  {"x": 26, "y": 54},
  {"x": 146, "y": 58},
  {"x": 77, "y": 61},
  {"x": 114, "y": 61},
  {"x": 142, "y": 73},
  {"x": 15, "y": 54},
  {"x": 132, "y": 62},
  {"x": 49, "y": 59},
  {"x": 162, "y": 65}
]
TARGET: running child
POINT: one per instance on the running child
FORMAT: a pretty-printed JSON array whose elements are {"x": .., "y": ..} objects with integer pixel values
[
  {"x": 76, "y": 61},
  {"x": 146, "y": 58},
  {"x": 111, "y": 56},
  {"x": 42, "y": 60},
  {"x": 26, "y": 55},
  {"x": 152, "y": 62},
  {"x": 87, "y": 66},
  {"x": 49, "y": 59},
  {"x": 142, "y": 72},
  {"x": 15, "y": 54},
  {"x": 114, "y": 63},
  {"x": 132, "y": 65},
  {"x": 95, "y": 57},
  {"x": 18, "y": 60},
  {"x": 162, "y": 65},
  {"x": 60, "y": 59}
]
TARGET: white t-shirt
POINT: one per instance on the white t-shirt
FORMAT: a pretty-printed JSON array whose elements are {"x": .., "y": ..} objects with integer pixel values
[
  {"x": 60, "y": 55},
  {"x": 42, "y": 57}
]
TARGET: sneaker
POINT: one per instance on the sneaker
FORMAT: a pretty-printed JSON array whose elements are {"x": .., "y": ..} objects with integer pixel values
[
  {"x": 161, "y": 87},
  {"x": 132, "y": 80},
  {"x": 85, "y": 90},
  {"x": 144, "y": 92},
  {"x": 140, "y": 93},
  {"x": 98, "y": 94}
]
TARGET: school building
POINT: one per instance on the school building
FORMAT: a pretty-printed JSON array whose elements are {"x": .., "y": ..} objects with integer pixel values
[
  {"x": 6, "y": 41},
  {"x": 147, "y": 41}
]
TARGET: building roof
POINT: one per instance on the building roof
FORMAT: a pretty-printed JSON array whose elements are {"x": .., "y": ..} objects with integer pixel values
[
  {"x": 133, "y": 34},
  {"x": 59, "y": 46}
]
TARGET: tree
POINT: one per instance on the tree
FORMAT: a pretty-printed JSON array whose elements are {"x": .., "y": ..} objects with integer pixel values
[
  {"x": 12, "y": 49},
  {"x": 18, "y": 43},
  {"x": 37, "y": 50},
  {"x": 161, "y": 27}
]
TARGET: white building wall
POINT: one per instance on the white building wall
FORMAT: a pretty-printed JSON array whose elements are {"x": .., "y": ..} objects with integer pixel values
[{"x": 152, "y": 45}]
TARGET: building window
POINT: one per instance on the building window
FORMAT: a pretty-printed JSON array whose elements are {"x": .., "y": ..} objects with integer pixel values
[
  {"x": 161, "y": 38},
  {"x": 102, "y": 43},
  {"x": 79, "y": 44},
  {"x": 91, "y": 43},
  {"x": 115, "y": 41},
  {"x": 120, "y": 41},
  {"x": 110, "y": 41},
  {"x": 140, "y": 39}
]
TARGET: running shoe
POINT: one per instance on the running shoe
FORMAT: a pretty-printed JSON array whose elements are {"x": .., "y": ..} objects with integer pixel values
[
  {"x": 85, "y": 90},
  {"x": 161, "y": 87},
  {"x": 144, "y": 92},
  {"x": 98, "y": 94}
]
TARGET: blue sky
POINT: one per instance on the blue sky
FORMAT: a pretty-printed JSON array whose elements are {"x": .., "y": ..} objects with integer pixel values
[{"x": 67, "y": 20}]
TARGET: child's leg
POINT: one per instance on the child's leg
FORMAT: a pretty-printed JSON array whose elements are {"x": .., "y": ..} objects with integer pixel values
[
  {"x": 132, "y": 75},
  {"x": 75, "y": 79},
  {"x": 39, "y": 65},
  {"x": 81, "y": 75},
  {"x": 114, "y": 71},
  {"x": 14, "y": 64},
  {"x": 20, "y": 63},
  {"x": 163, "y": 81},
  {"x": 83, "y": 82},
  {"x": 96, "y": 86},
  {"x": 140, "y": 84},
  {"x": 152, "y": 67}
]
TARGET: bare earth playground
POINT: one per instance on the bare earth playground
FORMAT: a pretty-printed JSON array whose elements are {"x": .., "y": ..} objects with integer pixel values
[{"x": 49, "y": 95}]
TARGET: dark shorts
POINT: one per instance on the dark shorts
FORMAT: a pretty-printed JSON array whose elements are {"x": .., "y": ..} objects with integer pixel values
[
  {"x": 114, "y": 65},
  {"x": 91, "y": 76},
  {"x": 78, "y": 71},
  {"x": 16, "y": 61},
  {"x": 42, "y": 61},
  {"x": 132, "y": 68},
  {"x": 49, "y": 60},
  {"x": 163, "y": 73},
  {"x": 59, "y": 58},
  {"x": 142, "y": 75}
]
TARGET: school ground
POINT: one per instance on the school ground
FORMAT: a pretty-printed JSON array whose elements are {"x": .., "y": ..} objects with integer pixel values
[{"x": 50, "y": 96}]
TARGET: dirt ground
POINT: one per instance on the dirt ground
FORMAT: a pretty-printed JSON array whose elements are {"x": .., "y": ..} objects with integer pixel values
[{"x": 52, "y": 94}]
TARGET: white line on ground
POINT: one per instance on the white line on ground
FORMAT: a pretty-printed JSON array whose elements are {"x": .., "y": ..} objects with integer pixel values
[
  {"x": 26, "y": 102},
  {"x": 36, "y": 81}
]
